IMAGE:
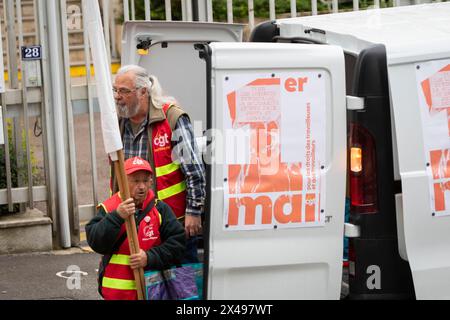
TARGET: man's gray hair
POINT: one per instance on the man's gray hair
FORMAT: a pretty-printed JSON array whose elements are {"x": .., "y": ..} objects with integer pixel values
[{"x": 150, "y": 82}]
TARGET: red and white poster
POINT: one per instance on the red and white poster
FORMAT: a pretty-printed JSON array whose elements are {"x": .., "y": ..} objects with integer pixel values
[
  {"x": 274, "y": 150},
  {"x": 434, "y": 94}
]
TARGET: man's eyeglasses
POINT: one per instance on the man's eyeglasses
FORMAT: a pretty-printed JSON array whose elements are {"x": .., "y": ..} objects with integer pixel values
[{"x": 123, "y": 91}]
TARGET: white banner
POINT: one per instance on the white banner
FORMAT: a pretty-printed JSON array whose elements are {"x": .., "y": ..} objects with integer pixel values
[
  {"x": 110, "y": 125},
  {"x": 275, "y": 150},
  {"x": 433, "y": 85}
]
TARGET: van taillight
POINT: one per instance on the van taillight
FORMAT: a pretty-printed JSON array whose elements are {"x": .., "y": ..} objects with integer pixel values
[
  {"x": 355, "y": 159},
  {"x": 363, "y": 177}
]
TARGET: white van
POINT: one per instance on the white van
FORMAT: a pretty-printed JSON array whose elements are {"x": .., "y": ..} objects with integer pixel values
[{"x": 357, "y": 100}]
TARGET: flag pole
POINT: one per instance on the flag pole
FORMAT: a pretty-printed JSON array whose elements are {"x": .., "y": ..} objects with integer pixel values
[{"x": 110, "y": 125}]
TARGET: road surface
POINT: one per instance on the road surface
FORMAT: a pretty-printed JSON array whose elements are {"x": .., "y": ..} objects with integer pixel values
[{"x": 44, "y": 276}]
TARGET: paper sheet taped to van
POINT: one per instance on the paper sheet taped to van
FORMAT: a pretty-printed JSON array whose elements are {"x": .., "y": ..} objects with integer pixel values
[
  {"x": 274, "y": 150},
  {"x": 433, "y": 80}
]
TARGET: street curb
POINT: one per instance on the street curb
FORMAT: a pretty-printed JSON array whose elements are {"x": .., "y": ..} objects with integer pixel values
[{"x": 69, "y": 251}]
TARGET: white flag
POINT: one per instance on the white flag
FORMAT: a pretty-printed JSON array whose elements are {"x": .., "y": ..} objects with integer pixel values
[{"x": 110, "y": 125}]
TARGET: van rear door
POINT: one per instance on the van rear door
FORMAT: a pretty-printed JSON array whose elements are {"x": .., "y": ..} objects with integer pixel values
[
  {"x": 420, "y": 94},
  {"x": 277, "y": 141}
]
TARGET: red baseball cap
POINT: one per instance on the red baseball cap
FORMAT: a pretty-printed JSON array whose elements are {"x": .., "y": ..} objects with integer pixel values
[{"x": 137, "y": 164}]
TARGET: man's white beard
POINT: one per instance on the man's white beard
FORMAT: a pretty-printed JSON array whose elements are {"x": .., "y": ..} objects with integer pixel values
[{"x": 125, "y": 111}]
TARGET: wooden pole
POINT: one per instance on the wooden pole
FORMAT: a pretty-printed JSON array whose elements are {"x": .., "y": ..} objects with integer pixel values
[{"x": 130, "y": 222}]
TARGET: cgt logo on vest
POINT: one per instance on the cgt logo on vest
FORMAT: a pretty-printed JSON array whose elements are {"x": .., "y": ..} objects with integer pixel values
[
  {"x": 149, "y": 233},
  {"x": 161, "y": 141}
]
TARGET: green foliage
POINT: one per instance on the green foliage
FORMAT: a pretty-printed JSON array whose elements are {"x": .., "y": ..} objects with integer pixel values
[
  {"x": 261, "y": 7},
  {"x": 15, "y": 171},
  {"x": 367, "y": 4},
  {"x": 157, "y": 9},
  {"x": 240, "y": 9},
  {"x": 18, "y": 173}
]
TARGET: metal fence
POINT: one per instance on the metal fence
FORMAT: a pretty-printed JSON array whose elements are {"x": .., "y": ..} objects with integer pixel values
[
  {"x": 204, "y": 8},
  {"x": 46, "y": 100}
]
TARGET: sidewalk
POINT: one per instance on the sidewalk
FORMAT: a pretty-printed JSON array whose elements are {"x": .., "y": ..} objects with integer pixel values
[
  {"x": 44, "y": 276},
  {"x": 83, "y": 242}
]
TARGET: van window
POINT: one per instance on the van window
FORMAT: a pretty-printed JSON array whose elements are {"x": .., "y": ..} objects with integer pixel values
[{"x": 350, "y": 62}]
